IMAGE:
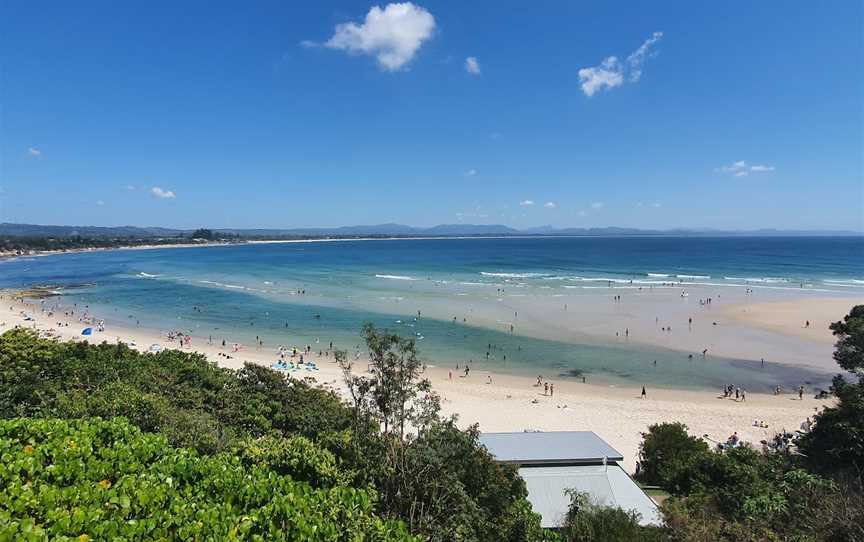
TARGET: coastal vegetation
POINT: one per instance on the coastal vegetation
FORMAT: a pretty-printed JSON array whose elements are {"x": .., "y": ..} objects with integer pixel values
[
  {"x": 437, "y": 481},
  {"x": 103, "y": 441}
]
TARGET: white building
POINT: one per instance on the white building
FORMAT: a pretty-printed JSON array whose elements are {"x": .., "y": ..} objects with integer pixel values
[{"x": 553, "y": 462}]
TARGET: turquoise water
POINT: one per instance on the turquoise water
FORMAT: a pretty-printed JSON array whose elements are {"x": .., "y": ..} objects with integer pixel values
[{"x": 240, "y": 292}]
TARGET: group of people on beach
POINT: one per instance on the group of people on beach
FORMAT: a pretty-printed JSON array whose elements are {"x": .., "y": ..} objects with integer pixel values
[{"x": 729, "y": 390}]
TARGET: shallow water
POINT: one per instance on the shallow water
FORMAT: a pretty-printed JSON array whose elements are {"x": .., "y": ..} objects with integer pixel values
[{"x": 299, "y": 292}]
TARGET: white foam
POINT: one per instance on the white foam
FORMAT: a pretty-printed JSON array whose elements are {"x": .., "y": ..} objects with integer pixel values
[
  {"x": 514, "y": 275},
  {"x": 144, "y": 275},
  {"x": 658, "y": 275},
  {"x": 693, "y": 276},
  {"x": 845, "y": 282},
  {"x": 395, "y": 277}
]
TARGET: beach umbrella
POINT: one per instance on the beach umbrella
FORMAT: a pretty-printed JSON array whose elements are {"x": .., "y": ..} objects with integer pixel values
[
  {"x": 87, "y": 331},
  {"x": 155, "y": 348}
]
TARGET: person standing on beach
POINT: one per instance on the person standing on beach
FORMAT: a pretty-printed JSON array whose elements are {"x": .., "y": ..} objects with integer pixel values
[
  {"x": 643, "y": 393},
  {"x": 551, "y": 390},
  {"x": 801, "y": 393},
  {"x": 545, "y": 388}
]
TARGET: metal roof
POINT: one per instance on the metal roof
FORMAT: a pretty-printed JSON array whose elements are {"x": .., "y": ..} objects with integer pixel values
[
  {"x": 554, "y": 447},
  {"x": 605, "y": 485}
]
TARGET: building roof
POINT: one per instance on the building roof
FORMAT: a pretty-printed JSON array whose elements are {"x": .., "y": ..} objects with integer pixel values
[
  {"x": 605, "y": 486},
  {"x": 555, "y": 447}
]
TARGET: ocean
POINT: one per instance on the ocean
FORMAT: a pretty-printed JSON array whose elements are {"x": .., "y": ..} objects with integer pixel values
[{"x": 317, "y": 292}]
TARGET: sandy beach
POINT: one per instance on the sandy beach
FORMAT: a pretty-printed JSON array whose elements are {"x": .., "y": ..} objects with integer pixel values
[{"x": 500, "y": 402}]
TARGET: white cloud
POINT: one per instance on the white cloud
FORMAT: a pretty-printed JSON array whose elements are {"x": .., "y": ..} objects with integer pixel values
[
  {"x": 470, "y": 172},
  {"x": 582, "y": 213},
  {"x": 130, "y": 187},
  {"x": 33, "y": 152},
  {"x": 550, "y": 205},
  {"x": 392, "y": 35},
  {"x": 472, "y": 66},
  {"x": 526, "y": 203},
  {"x": 309, "y": 44},
  {"x": 100, "y": 203},
  {"x": 656, "y": 205},
  {"x": 637, "y": 58},
  {"x": 462, "y": 216},
  {"x": 611, "y": 72},
  {"x": 597, "y": 205},
  {"x": 608, "y": 74},
  {"x": 157, "y": 192},
  {"x": 741, "y": 168}
]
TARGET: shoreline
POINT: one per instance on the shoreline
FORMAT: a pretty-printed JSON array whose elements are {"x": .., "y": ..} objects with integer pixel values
[
  {"x": 38, "y": 253},
  {"x": 497, "y": 401}
]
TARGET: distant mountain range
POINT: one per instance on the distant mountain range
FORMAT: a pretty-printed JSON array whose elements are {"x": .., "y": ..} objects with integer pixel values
[{"x": 392, "y": 230}]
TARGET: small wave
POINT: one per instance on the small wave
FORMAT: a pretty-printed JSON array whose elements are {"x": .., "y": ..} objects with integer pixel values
[
  {"x": 767, "y": 280},
  {"x": 395, "y": 277},
  {"x": 693, "y": 276},
  {"x": 603, "y": 279},
  {"x": 514, "y": 275},
  {"x": 845, "y": 282},
  {"x": 223, "y": 285},
  {"x": 658, "y": 275},
  {"x": 144, "y": 275}
]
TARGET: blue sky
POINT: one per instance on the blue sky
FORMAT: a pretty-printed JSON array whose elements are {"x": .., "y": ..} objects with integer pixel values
[{"x": 281, "y": 114}]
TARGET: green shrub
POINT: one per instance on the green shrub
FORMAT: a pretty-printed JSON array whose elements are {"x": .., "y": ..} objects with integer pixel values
[
  {"x": 588, "y": 522},
  {"x": 102, "y": 480},
  {"x": 297, "y": 457},
  {"x": 668, "y": 455}
]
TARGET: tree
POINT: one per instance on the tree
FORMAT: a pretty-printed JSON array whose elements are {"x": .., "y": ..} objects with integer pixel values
[
  {"x": 203, "y": 233},
  {"x": 849, "y": 348},
  {"x": 667, "y": 456},
  {"x": 395, "y": 394},
  {"x": 835, "y": 445},
  {"x": 439, "y": 479}
]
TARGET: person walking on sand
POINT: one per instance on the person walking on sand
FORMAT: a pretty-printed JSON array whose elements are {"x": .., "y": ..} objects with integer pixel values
[
  {"x": 643, "y": 393},
  {"x": 801, "y": 393},
  {"x": 551, "y": 390},
  {"x": 545, "y": 388}
]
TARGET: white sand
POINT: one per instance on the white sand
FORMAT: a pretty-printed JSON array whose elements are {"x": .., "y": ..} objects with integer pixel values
[
  {"x": 736, "y": 324},
  {"x": 618, "y": 415}
]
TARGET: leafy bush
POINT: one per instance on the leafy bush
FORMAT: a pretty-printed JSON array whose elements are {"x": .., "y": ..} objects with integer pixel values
[
  {"x": 94, "y": 479},
  {"x": 441, "y": 482},
  {"x": 297, "y": 457},
  {"x": 587, "y": 522},
  {"x": 193, "y": 402},
  {"x": 667, "y": 456}
]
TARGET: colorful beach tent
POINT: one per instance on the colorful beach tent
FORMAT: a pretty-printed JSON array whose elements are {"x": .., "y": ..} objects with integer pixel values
[{"x": 87, "y": 331}]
